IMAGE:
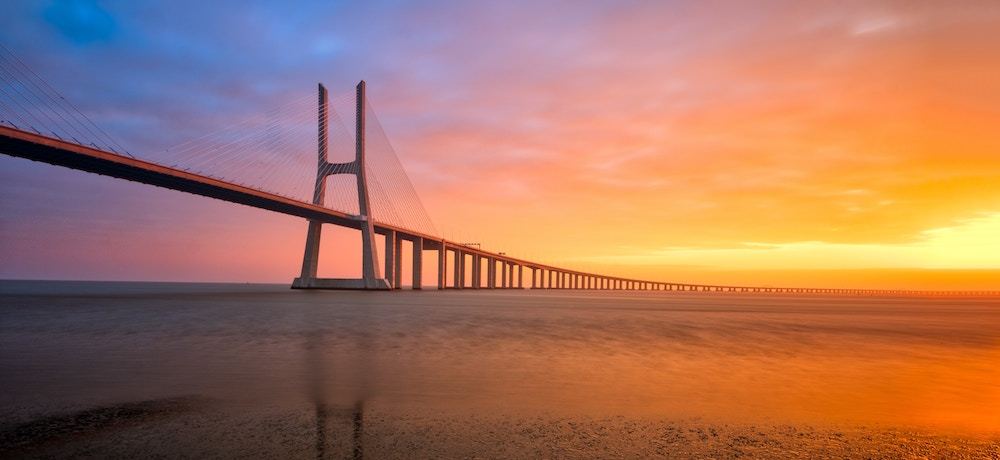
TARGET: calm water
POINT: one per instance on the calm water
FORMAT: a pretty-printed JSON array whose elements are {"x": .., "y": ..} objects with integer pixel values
[{"x": 927, "y": 364}]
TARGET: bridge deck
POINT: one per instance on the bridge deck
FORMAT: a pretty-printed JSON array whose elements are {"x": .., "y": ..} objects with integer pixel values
[{"x": 57, "y": 152}]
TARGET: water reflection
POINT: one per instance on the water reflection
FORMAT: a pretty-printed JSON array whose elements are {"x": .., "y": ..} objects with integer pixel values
[{"x": 325, "y": 373}]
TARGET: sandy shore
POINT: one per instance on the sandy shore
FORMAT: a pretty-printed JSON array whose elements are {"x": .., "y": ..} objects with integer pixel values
[{"x": 181, "y": 427}]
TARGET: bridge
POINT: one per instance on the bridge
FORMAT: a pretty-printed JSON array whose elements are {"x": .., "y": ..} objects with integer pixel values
[{"x": 37, "y": 124}]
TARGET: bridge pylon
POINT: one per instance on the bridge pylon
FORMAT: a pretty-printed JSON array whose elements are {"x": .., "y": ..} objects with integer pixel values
[{"x": 310, "y": 261}]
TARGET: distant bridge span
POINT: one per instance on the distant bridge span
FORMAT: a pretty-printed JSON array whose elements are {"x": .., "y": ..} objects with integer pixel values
[{"x": 466, "y": 263}]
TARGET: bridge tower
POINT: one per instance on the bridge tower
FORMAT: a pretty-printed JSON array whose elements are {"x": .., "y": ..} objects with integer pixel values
[{"x": 310, "y": 261}]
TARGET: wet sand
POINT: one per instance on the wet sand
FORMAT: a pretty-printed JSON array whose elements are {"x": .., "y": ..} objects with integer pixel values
[
  {"x": 165, "y": 370},
  {"x": 178, "y": 428}
]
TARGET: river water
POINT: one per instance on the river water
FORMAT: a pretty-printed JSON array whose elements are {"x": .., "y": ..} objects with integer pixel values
[{"x": 269, "y": 370}]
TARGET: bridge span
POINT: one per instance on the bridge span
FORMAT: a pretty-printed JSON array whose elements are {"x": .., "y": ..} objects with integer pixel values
[{"x": 470, "y": 267}]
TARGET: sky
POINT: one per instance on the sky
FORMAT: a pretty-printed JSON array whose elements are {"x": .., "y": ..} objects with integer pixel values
[{"x": 793, "y": 143}]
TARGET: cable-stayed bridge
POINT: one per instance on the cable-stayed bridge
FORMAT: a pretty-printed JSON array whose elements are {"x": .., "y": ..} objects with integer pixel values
[{"x": 293, "y": 160}]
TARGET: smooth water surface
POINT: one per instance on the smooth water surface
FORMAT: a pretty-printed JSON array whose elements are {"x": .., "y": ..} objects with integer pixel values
[{"x": 931, "y": 364}]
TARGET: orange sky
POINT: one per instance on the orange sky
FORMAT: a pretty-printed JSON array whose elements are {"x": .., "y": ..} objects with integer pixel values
[
  {"x": 816, "y": 139},
  {"x": 846, "y": 144}
]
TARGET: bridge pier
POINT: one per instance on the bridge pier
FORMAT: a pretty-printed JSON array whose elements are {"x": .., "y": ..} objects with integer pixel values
[
  {"x": 477, "y": 271},
  {"x": 390, "y": 256},
  {"x": 418, "y": 263},
  {"x": 491, "y": 273},
  {"x": 397, "y": 261},
  {"x": 442, "y": 256}
]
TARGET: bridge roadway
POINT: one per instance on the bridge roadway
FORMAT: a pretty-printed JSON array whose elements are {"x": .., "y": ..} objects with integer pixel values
[{"x": 501, "y": 271}]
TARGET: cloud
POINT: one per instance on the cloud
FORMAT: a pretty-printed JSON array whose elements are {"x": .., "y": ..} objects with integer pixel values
[
  {"x": 970, "y": 244},
  {"x": 81, "y": 21}
]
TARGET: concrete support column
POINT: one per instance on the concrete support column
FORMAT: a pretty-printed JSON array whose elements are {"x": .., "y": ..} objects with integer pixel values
[
  {"x": 465, "y": 280},
  {"x": 458, "y": 270},
  {"x": 477, "y": 271},
  {"x": 397, "y": 252},
  {"x": 491, "y": 273},
  {"x": 390, "y": 258},
  {"x": 520, "y": 277},
  {"x": 442, "y": 266},
  {"x": 418, "y": 263}
]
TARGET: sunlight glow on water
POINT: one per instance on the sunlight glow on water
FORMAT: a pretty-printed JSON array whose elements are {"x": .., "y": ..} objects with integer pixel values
[{"x": 903, "y": 362}]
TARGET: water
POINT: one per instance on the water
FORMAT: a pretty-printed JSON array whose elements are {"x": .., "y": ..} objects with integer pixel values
[{"x": 296, "y": 365}]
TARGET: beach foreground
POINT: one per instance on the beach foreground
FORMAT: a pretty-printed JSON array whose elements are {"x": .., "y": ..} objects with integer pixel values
[
  {"x": 168, "y": 370},
  {"x": 179, "y": 428}
]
